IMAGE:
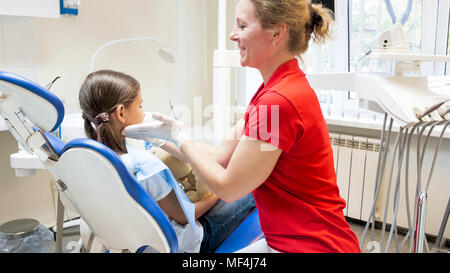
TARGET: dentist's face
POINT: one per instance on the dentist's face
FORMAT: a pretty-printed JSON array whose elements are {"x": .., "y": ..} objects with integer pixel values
[{"x": 253, "y": 41}]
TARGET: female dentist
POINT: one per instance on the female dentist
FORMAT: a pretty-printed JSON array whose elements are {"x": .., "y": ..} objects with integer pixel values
[{"x": 282, "y": 152}]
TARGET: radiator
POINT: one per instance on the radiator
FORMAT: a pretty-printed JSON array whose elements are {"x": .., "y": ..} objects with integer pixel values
[{"x": 355, "y": 162}]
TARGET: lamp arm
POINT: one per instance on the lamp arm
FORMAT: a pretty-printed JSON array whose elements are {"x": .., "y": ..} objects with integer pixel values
[{"x": 91, "y": 66}]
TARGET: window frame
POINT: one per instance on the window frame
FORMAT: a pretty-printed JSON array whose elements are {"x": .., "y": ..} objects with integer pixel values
[{"x": 435, "y": 16}]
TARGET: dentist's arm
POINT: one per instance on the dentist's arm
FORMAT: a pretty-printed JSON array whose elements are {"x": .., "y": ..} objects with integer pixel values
[
  {"x": 171, "y": 206},
  {"x": 250, "y": 163},
  {"x": 249, "y": 167},
  {"x": 220, "y": 153}
]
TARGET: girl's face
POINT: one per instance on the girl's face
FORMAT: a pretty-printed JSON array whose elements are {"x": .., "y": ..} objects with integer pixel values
[
  {"x": 133, "y": 114},
  {"x": 254, "y": 42}
]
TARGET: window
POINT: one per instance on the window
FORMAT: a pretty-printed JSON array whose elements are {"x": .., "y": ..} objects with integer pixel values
[
  {"x": 447, "y": 65},
  {"x": 357, "y": 24},
  {"x": 367, "y": 18}
]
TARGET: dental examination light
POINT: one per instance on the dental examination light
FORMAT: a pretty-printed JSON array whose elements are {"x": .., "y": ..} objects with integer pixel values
[{"x": 164, "y": 52}]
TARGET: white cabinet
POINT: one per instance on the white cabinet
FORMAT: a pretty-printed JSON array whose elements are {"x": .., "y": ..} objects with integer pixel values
[{"x": 34, "y": 8}]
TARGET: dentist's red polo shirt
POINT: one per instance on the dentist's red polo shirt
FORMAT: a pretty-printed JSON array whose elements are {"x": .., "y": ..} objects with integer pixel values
[{"x": 299, "y": 206}]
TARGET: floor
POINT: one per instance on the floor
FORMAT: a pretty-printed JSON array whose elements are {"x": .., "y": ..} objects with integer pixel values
[
  {"x": 372, "y": 244},
  {"x": 70, "y": 240},
  {"x": 72, "y": 235}
]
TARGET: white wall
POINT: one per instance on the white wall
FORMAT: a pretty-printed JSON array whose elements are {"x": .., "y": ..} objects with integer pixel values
[
  {"x": 43, "y": 48},
  {"x": 23, "y": 197}
]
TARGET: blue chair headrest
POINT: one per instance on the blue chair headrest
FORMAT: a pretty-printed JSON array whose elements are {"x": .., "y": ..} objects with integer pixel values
[{"x": 39, "y": 91}]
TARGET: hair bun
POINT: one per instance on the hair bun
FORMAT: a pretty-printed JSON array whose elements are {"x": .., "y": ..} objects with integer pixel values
[
  {"x": 316, "y": 19},
  {"x": 320, "y": 21}
]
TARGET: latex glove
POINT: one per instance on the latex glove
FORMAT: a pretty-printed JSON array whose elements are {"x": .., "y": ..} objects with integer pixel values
[
  {"x": 162, "y": 127},
  {"x": 156, "y": 142}
]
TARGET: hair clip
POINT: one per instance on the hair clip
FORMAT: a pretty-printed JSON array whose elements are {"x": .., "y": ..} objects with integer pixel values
[{"x": 102, "y": 117}]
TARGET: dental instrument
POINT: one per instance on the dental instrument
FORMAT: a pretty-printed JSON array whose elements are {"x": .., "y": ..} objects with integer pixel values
[{"x": 415, "y": 108}]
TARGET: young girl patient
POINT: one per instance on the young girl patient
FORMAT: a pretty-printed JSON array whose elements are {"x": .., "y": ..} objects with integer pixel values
[{"x": 112, "y": 100}]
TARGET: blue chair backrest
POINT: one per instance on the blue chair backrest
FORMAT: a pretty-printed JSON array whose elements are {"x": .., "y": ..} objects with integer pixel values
[
  {"x": 110, "y": 200},
  {"x": 134, "y": 219}
]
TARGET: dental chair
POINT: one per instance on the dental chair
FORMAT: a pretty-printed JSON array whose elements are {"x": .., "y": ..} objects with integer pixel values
[
  {"x": 31, "y": 113},
  {"x": 93, "y": 181}
]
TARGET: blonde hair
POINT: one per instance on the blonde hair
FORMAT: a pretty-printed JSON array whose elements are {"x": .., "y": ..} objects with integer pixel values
[
  {"x": 100, "y": 95},
  {"x": 302, "y": 19}
]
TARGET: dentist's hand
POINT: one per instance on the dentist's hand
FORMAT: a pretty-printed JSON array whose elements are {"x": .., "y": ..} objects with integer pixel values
[
  {"x": 163, "y": 127},
  {"x": 157, "y": 142}
]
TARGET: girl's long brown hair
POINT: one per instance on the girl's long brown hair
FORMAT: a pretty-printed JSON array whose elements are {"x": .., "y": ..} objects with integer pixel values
[{"x": 102, "y": 92}]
